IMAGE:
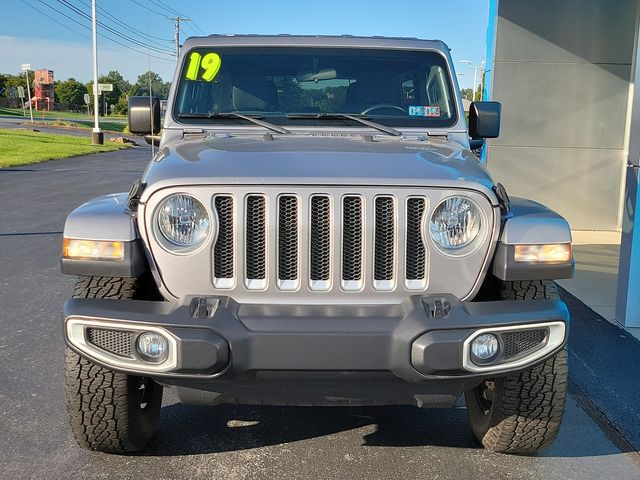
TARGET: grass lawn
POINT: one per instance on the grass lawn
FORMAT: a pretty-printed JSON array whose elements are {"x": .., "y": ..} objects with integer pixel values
[
  {"x": 22, "y": 147},
  {"x": 104, "y": 125},
  {"x": 39, "y": 114}
]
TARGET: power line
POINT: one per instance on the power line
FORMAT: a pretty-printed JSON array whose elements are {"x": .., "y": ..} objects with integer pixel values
[
  {"x": 55, "y": 20},
  {"x": 173, "y": 11},
  {"x": 101, "y": 34},
  {"x": 79, "y": 12},
  {"x": 126, "y": 26},
  {"x": 148, "y": 9}
]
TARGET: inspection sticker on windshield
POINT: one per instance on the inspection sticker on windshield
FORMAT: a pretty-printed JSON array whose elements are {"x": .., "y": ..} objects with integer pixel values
[{"x": 424, "y": 111}]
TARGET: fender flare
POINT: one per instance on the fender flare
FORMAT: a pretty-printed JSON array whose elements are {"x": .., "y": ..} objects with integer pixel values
[{"x": 106, "y": 218}]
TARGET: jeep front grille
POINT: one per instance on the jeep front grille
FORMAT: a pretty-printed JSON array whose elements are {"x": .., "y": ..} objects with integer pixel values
[
  {"x": 415, "y": 258},
  {"x": 352, "y": 226},
  {"x": 223, "y": 252},
  {"x": 288, "y": 242},
  {"x": 320, "y": 242},
  {"x": 384, "y": 258},
  {"x": 256, "y": 243},
  {"x": 320, "y": 232}
]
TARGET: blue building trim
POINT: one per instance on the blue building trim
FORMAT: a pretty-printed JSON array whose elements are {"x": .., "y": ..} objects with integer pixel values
[
  {"x": 628, "y": 300},
  {"x": 490, "y": 58}
]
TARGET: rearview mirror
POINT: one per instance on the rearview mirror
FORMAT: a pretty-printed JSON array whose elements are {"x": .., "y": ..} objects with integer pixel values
[
  {"x": 484, "y": 119},
  {"x": 322, "y": 74},
  {"x": 144, "y": 115}
]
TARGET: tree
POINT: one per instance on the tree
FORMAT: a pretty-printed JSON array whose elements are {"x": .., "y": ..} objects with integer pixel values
[
  {"x": 468, "y": 93},
  {"x": 120, "y": 86},
  {"x": 159, "y": 88},
  {"x": 70, "y": 91},
  {"x": 18, "y": 80}
]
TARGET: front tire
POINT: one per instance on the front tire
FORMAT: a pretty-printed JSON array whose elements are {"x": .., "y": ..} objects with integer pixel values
[
  {"x": 521, "y": 413},
  {"x": 110, "y": 411}
]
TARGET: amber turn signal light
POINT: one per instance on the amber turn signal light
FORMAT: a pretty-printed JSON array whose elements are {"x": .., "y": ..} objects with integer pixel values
[
  {"x": 548, "y": 253},
  {"x": 92, "y": 249}
]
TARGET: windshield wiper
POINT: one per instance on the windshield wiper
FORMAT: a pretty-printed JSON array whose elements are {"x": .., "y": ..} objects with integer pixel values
[
  {"x": 340, "y": 116},
  {"x": 248, "y": 118}
]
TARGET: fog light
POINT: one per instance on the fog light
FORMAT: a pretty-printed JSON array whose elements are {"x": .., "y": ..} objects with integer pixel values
[
  {"x": 484, "y": 347},
  {"x": 153, "y": 346}
]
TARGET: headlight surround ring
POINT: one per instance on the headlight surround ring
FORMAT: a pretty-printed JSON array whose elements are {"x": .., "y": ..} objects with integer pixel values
[
  {"x": 456, "y": 225},
  {"x": 182, "y": 223}
]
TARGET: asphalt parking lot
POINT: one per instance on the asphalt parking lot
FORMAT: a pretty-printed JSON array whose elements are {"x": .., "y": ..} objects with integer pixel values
[{"x": 228, "y": 442}]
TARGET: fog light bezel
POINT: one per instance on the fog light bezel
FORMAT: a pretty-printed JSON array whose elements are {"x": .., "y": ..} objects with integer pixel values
[
  {"x": 556, "y": 338},
  {"x": 75, "y": 333},
  {"x": 147, "y": 358}
]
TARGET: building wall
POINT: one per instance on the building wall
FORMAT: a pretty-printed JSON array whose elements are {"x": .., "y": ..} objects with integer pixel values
[{"x": 562, "y": 70}]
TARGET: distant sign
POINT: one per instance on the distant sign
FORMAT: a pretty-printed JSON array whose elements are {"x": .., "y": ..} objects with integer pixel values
[
  {"x": 25, "y": 66},
  {"x": 105, "y": 87},
  {"x": 87, "y": 98},
  {"x": 21, "y": 92}
]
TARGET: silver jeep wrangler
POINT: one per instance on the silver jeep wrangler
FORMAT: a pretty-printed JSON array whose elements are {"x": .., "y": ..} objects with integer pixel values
[{"x": 316, "y": 230}]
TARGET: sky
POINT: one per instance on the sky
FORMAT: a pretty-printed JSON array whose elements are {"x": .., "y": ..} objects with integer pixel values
[{"x": 56, "y": 35}]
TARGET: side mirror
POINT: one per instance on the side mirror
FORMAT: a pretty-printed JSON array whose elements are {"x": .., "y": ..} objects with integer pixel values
[
  {"x": 484, "y": 119},
  {"x": 144, "y": 115}
]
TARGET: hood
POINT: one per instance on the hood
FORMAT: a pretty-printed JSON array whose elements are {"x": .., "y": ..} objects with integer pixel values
[{"x": 313, "y": 160}]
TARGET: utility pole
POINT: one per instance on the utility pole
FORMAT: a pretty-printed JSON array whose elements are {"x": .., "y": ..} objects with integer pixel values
[
  {"x": 97, "y": 137},
  {"x": 177, "y": 32}
]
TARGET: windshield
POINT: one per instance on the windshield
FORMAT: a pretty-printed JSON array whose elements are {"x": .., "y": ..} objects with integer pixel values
[{"x": 309, "y": 86}]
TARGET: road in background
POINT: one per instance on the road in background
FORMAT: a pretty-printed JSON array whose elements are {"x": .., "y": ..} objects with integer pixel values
[{"x": 226, "y": 441}]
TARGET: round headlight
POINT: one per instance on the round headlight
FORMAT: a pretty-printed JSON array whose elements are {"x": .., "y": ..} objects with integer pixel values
[
  {"x": 455, "y": 223},
  {"x": 183, "y": 220}
]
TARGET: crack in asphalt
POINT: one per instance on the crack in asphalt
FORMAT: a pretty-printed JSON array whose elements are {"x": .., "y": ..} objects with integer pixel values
[{"x": 28, "y": 234}]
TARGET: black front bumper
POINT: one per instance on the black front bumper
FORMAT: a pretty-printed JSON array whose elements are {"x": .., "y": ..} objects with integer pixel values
[{"x": 219, "y": 345}]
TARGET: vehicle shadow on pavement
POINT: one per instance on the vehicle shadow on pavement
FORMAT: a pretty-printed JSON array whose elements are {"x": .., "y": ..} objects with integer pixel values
[{"x": 189, "y": 430}]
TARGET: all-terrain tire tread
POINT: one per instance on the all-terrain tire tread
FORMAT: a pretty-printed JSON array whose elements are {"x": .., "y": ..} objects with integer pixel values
[
  {"x": 528, "y": 406},
  {"x": 103, "y": 405}
]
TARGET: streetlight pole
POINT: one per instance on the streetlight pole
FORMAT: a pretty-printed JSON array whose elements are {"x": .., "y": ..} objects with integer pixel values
[
  {"x": 97, "y": 137},
  {"x": 26, "y": 67},
  {"x": 475, "y": 75}
]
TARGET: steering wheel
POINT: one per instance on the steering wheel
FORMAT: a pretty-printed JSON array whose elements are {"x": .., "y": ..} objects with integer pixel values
[{"x": 378, "y": 106}]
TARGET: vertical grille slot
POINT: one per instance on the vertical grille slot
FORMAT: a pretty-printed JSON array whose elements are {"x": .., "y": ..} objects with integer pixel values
[
  {"x": 415, "y": 254},
  {"x": 287, "y": 242},
  {"x": 320, "y": 238},
  {"x": 384, "y": 243},
  {"x": 223, "y": 261},
  {"x": 256, "y": 242},
  {"x": 352, "y": 226}
]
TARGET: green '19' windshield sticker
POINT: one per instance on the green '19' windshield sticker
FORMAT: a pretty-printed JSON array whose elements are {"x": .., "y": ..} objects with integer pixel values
[{"x": 210, "y": 63}]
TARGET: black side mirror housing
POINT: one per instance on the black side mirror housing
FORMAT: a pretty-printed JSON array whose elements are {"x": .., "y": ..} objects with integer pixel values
[
  {"x": 144, "y": 115},
  {"x": 484, "y": 119}
]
